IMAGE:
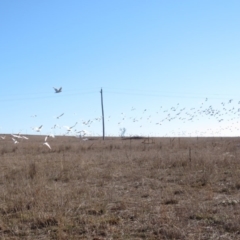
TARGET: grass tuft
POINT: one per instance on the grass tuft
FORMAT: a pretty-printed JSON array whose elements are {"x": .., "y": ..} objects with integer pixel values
[{"x": 120, "y": 189}]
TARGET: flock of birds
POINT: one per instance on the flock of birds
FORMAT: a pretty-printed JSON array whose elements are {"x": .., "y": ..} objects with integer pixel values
[
  {"x": 221, "y": 118},
  {"x": 227, "y": 112},
  {"x": 17, "y": 137}
]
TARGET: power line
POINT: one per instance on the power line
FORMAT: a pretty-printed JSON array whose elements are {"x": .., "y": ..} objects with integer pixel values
[
  {"x": 71, "y": 91},
  {"x": 145, "y": 91},
  {"x": 45, "y": 97},
  {"x": 135, "y": 92},
  {"x": 172, "y": 96}
]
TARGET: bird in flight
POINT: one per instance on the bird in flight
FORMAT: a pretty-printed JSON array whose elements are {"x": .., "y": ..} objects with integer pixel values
[
  {"x": 16, "y": 136},
  {"x": 47, "y": 144},
  {"x": 37, "y": 129},
  {"x": 57, "y": 90},
  {"x": 60, "y": 115},
  {"x": 15, "y": 141},
  {"x": 69, "y": 129},
  {"x": 51, "y": 135}
]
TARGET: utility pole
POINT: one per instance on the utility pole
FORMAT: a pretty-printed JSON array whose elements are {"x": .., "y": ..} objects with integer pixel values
[{"x": 102, "y": 114}]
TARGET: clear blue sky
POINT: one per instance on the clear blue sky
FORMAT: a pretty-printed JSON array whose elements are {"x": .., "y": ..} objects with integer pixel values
[{"x": 156, "y": 61}]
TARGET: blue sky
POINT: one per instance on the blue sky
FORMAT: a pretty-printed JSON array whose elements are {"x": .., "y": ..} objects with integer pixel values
[{"x": 167, "y": 68}]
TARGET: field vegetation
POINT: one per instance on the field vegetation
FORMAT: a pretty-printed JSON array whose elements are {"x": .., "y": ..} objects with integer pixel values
[{"x": 130, "y": 188}]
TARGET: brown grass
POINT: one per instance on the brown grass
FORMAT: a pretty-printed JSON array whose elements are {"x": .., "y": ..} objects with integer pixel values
[{"x": 165, "y": 188}]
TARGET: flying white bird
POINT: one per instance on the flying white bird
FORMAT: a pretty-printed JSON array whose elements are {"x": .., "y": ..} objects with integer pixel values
[
  {"x": 69, "y": 129},
  {"x": 57, "y": 90},
  {"x": 55, "y": 125},
  {"x": 25, "y": 137},
  {"x": 37, "y": 129},
  {"x": 16, "y": 136},
  {"x": 3, "y": 137},
  {"x": 50, "y": 135},
  {"x": 15, "y": 141},
  {"x": 47, "y": 144},
  {"x": 83, "y": 133}
]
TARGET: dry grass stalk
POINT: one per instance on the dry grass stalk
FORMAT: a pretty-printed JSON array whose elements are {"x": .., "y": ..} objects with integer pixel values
[{"x": 120, "y": 189}]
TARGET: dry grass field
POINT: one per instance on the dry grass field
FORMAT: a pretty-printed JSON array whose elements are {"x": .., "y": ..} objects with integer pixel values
[{"x": 164, "y": 188}]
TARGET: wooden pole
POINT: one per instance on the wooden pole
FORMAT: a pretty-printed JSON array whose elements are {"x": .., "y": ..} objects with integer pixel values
[
  {"x": 103, "y": 124},
  {"x": 190, "y": 155}
]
